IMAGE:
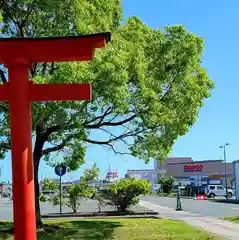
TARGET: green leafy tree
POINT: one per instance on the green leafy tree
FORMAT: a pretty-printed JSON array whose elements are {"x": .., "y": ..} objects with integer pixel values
[
  {"x": 148, "y": 84},
  {"x": 166, "y": 184},
  {"x": 90, "y": 174},
  {"x": 48, "y": 186},
  {"x": 74, "y": 192},
  {"x": 125, "y": 193},
  {"x": 100, "y": 197}
]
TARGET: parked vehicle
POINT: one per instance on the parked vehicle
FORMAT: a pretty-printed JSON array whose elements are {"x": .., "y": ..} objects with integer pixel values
[
  {"x": 49, "y": 193},
  {"x": 192, "y": 191},
  {"x": 155, "y": 188},
  {"x": 201, "y": 196},
  {"x": 6, "y": 195},
  {"x": 213, "y": 191}
]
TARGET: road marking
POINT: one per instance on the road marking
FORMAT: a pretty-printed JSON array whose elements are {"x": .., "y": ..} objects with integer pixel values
[{"x": 5, "y": 206}]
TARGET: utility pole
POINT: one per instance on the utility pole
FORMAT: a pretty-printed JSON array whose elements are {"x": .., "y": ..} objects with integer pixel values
[{"x": 225, "y": 166}]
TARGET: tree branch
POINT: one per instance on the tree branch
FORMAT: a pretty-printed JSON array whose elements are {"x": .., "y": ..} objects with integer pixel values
[
  {"x": 53, "y": 68},
  {"x": 167, "y": 92},
  {"x": 124, "y": 135},
  {"x": 33, "y": 69},
  {"x": 4, "y": 107},
  {"x": 117, "y": 152},
  {"x": 5, "y": 145},
  {"x": 112, "y": 135},
  {"x": 119, "y": 123},
  {"x": 58, "y": 127},
  {"x": 2, "y": 74},
  {"x": 100, "y": 118},
  {"x": 109, "y": 140},
  {"x": 110, "y": 123},
  {"x": 58, "y": 147}
]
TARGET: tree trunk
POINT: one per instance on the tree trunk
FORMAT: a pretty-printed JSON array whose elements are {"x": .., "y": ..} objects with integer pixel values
[
  {"x": 37, "y": 154},
  {"x": 99, "y": 208},
  {"x": 37, "y": 191},
  {"x": 37, "y": 201}
]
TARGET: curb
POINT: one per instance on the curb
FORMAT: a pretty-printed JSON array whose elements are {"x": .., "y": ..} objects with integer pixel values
[{"x": 174, "y": 197}]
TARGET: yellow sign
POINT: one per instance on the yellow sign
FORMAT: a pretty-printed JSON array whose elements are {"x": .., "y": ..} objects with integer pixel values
[{"x": 216, "y": 176}]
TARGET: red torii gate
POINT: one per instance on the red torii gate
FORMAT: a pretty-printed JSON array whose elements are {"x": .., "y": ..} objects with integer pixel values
[{"x": 18, "y": 55}]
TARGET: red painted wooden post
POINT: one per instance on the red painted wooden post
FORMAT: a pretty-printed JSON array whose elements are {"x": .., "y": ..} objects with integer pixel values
[
  {"x": 22, "y": 164},
  {"x": 18, "y": 55}
]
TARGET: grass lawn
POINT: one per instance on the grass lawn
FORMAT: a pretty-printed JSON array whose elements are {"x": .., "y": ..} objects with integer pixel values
[
  {"x": 115, "y": 229},
  {"x": 234, "y": 219}
]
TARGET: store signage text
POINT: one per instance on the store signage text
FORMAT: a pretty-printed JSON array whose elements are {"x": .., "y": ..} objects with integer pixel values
[
  {"x": 193, "y": 168},
  {"x": 112, "y": 175}
]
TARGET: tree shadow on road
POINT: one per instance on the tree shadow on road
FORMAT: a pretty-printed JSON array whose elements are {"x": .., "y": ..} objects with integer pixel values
[
  {"x": 84, "y": 229},
  {"x": 75, "y": 230},
  {"x": 6, "y": 230}
]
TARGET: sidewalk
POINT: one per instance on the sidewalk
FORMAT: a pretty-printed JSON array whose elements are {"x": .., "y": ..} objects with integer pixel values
[{"x": 225, "y": 229}]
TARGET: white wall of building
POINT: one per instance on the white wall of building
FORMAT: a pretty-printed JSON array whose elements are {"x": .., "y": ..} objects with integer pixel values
[
  {"x": 149, "y": 175},
  {"x": 236, "y": 165}
]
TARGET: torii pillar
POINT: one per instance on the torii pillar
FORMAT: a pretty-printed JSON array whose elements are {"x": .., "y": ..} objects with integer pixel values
[{"x": 18, "y": 55}]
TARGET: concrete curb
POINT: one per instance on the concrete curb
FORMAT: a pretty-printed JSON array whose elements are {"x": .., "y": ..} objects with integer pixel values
[{"x": 183, "y": 197}]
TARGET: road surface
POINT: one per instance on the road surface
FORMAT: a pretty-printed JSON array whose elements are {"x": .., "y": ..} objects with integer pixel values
[
  {"x": 6, "y": 210},
  {"x": 201, "y": 207},
  {"x": 86, "y": 206}
]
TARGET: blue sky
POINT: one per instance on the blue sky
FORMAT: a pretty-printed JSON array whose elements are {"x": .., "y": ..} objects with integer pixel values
[{"x": 217, "y": 22}]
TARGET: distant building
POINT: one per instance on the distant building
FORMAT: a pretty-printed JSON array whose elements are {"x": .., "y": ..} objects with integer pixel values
[
  {"x": 148, "y": 174},
  {"x": 190, "y": 172},
  {"x": 5, "y": 188},
  {"x": 186, "y": 171},
  {"x": 112, "y": 175}
]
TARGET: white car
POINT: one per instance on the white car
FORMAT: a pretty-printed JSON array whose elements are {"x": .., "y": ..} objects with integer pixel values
[{"x": 213, "y": 191}]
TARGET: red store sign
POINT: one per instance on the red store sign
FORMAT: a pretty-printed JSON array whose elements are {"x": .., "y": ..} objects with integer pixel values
[{"x": 193, "y": 168}]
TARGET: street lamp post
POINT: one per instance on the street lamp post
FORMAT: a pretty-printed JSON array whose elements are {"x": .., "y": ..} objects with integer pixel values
[{"x": 225, "y": 166}]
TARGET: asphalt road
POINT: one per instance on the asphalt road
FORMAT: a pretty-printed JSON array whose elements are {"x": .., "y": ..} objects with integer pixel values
[
  {"x": 6, "y": 209},
  {"x": 201, "y": 207},
  {"x": 86, "y": 206}
]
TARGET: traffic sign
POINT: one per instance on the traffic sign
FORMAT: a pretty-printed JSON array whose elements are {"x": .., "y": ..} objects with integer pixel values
[{"x": 60, "y": 170}]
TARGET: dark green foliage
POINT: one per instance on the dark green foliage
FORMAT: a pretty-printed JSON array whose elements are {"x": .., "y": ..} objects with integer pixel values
[
  {"x": 166, "y": 184},
  {"x": 125, "y": 193}
]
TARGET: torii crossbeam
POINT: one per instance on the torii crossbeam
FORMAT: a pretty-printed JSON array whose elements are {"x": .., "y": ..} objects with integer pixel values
[{"x": 18, "y": 55}]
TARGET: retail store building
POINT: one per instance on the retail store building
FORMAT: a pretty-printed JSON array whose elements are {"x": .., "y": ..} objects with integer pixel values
[
  {"x": 236, "y": 167},
  {"x": 189, "y": 172}
]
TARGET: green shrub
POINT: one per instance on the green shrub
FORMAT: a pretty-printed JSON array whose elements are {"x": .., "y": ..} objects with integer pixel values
[
  {"x": 172, "y": 194},
  {"x": 163, "y": 194},
  {"x": 125, "y": 192},
  {"x": 166, "y": 184},
  {"x": 75, "y": 192},
  {"x": 100, "y": 197}
]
